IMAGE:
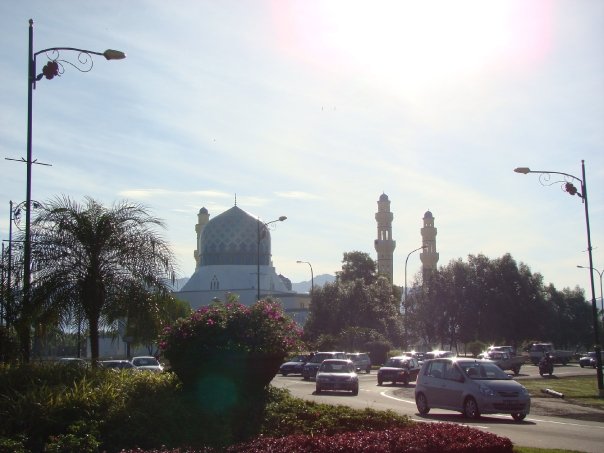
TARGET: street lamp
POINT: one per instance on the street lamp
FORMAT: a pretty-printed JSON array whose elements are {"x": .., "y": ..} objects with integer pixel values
[
  {"x": 259, "y": 238},
  {"x": 600, "y": 274},
  {"x": 312, "y": 277},
  {"x": 405, "y": 292},
  {"x": 567, "y": 185},
  {"x": 54, "y": 67}
]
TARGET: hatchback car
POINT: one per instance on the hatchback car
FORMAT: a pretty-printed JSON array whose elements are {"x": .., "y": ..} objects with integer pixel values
[
  {"x": 399, "y": 369},
  {"x": 310, "y": 368},
  {"x": 294, "y": 365},
  {"x": 147, "y": 363},
  {"x": 589, "y": 359},
  {"x": 361, "y": 361},
  {"x": 472, "y": 387},
  {"x": 337, "y": 374}
]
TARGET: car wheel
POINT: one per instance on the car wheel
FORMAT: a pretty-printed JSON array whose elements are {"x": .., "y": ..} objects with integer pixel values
[
  {"x": 284, "y": 374},
  {"x": 318, "y": 390},
  {"x": 516, "y": 371},
  {"x": 380, "y": 382},
  {"x": 355, "y": 391},
  {"x": 470, "y": 408},
  {"x": 582, "y": 366},
  {"x": 368, "y": 370},
  {"x": 422, "y": 404},
  {"x": 406, "y": 382},
  {"x": 518, "y": 416}
]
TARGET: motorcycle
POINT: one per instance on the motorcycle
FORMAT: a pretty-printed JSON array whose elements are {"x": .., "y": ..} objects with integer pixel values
[{"x": 546, "y": 365}]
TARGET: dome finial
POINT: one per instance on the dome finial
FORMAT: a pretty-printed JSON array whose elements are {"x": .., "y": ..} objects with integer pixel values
[{"x": 235, "y": 199}]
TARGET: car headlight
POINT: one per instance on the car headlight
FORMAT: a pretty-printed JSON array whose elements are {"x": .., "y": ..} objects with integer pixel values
[
  {"x": 523, "y": 390},
  {"x": 486, "y": 390}
]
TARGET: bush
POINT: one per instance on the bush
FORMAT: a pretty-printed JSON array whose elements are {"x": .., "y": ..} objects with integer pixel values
[
  {"x": 420, "y": 437},
  {"x": 230, "y": 345}
]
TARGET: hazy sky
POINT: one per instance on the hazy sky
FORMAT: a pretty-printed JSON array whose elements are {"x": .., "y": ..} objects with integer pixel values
[{"x": 313, "y": 109}]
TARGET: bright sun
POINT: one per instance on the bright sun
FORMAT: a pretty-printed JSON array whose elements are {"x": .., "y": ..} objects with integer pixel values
[{"x": 416, "y": 43}]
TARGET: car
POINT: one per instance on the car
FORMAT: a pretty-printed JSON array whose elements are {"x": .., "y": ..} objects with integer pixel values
[
  {"x": 589, "y": 359},
  {"x": 361, "y": 360},
  {"x": 337, "y": 374},
  {"x": 309, "y": 370},
  {"x": 74, "y": 361},
  {"x": 147, "y": 363},
  {"x": 419, "y": 356},
  {"x": 398, "y": 369},
  {"x": 470, "y": 386},
  {"x": 294, "y": 365},
  {"x": 118, "y": 365}
]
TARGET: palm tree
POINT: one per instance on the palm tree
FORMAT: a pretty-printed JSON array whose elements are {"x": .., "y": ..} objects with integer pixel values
[{"x": 100, "y": 261}]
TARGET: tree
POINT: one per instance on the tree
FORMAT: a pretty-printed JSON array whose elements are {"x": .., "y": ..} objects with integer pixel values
[
  {"x": 97, "y": 258},
  {"x": 357, "y": 265}
]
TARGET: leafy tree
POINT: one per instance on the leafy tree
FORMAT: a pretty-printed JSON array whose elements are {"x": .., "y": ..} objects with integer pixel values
[
  {"x": 357, "y": 265},
  {"x": 96, "y": 258}
]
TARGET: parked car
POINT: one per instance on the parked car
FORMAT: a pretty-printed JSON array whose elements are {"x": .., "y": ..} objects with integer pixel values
[
  {"x": 419, "y": 356},
  {"x": 337, "y": 374},
  {"x": 589, "y": 359},
  {"x": 399, "y": 369},
  {"x": 504, "y": 360},
  {"x": 538, "y": 350},
  {"x": 361, "y": 361},
  {"x": 74, "y": 361},
  {"x": 294, "y": 365},
  {"x": 472, "y": 387},
  {"x": 118, "y": 364},
  {"x": 147, "y": 363},
  {"x": 309, "y": 370}
]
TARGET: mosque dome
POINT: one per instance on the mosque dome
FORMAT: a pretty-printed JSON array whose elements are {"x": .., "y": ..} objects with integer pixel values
[
  {"x": 231, "y": 238},
  {"x": 203, "y": 211},
  {"x": 428, "y": 215},
  {"x": 383, "y": 197}
]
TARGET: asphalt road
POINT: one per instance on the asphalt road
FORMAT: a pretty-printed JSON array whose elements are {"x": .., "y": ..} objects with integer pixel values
[{"x": 534, "y": 431}]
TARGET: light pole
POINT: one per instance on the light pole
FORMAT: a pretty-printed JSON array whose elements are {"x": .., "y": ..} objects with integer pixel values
[
  {"x": 264, "y": 226},
  {"x": 568, "y": 186},
  {"x": 312, "y": 277},
  {"x": 600, "y": 274},
  {"x": 54, "y": 67},
  {"x": 405, "y": 292}
]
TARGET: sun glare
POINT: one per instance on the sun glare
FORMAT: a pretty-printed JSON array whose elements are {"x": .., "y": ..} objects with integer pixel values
[{"x": 415, "y": 43}]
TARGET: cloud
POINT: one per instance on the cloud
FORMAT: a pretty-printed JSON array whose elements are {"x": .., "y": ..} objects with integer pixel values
[{"x": 297, "y": 195}]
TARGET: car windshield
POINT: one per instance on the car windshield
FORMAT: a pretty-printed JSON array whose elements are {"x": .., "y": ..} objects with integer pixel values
[
  {"x": 145, "y": 361},
  {"x": 396, "y": 363},
  {"x": 298, "y": 358},
  {"x": 482, "y": 370},
  {"x": 336, "y": 367}
]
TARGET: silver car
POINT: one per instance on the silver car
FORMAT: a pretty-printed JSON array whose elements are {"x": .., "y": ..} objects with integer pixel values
[
  {"x": 337, "y": 374},
  {"x": 472, "y": 387}
]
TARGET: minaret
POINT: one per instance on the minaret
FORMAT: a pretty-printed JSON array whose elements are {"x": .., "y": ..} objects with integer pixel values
[
  {"x": 203, "y": 217},
  {"x": 428, "y": 256},
  {"x": 384, "y": 245}
]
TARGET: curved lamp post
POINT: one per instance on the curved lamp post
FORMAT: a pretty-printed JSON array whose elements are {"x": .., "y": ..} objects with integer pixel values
[
  {"x": 405, "y": 292},
  {"x": 567, "y": 185},
  {"x": 260, "y": 237},
  {"x": 54, "y": 67},
  {"x": 312, "y": 277},
  {"x": 600, "y": 274}
]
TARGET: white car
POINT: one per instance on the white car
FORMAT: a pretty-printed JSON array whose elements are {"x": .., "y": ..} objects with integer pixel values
[
  {"x": 470, "y": 386},
  {"x": 148, "y": 363},
  {"x": 337, "y": 374}
]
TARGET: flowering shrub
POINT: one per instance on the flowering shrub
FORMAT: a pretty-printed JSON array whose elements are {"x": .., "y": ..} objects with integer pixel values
[{"x": 243, "y": 344}]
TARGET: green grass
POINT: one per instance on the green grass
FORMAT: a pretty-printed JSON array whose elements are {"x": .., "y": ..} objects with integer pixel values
[{"x": 581, "y": 390}]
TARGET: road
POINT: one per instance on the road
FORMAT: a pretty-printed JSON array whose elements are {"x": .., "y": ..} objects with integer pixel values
[{"x": 534, "y": 431}]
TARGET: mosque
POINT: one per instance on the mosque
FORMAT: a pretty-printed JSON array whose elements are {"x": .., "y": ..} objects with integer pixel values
[{"x": 233, "y": 256}]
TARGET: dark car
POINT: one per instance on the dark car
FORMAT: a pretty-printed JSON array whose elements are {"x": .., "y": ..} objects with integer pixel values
[
  {"x": 399, "y": 369},
  {"x": 361, "y": 361},
  {"x": 589, "y": 360},
  {"x": 294, "y": 365},
  {"x": 309, "y": 371}
]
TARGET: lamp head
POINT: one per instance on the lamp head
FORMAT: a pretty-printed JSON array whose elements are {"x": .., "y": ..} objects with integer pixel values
[
  {"x": 298, "y": 261},
  {"x": 523, "y": 170},
  {"x": 111, "y": 54},
  {"x": 282, "y": 218}
]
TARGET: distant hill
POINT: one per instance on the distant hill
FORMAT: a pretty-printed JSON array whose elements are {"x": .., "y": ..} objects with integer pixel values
[{"x": 319, "y": 280}]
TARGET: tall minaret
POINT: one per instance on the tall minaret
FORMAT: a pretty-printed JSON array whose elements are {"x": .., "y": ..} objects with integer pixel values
[
  {"x": 203, "y": 217},
  {"x": 384, "y": 245},
  {"x": 428, "y": 256}
]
